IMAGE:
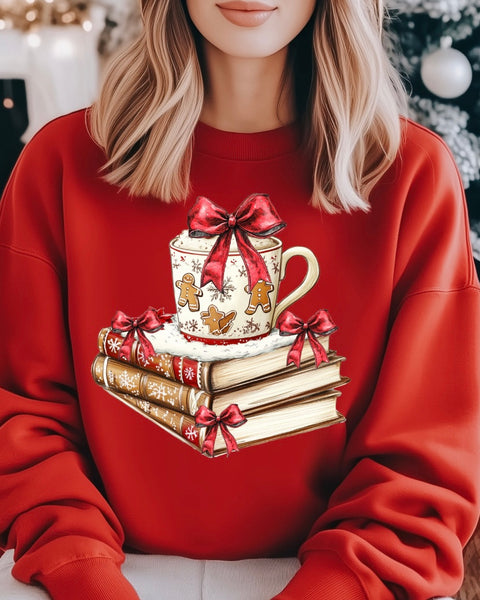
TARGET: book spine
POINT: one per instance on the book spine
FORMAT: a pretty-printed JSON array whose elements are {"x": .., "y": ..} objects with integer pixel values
[
  {"x": 128, "y": 379},
  {"x": 185, "y": 370},
  {"x": 178, "y": 424}
]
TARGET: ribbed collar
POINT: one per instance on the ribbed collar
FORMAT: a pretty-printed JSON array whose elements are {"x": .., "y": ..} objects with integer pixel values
[{"x": 247, "y": 146}]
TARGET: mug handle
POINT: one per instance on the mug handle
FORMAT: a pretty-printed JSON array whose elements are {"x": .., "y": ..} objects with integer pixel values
[{"x": 311, "y": 278}]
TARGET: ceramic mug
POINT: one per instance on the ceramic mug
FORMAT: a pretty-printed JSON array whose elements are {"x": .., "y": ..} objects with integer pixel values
[{"x": 235, "y": 313}]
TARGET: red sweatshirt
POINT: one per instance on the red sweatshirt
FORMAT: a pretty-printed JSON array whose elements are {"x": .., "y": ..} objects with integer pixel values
[{"x": 378, "y": 507}]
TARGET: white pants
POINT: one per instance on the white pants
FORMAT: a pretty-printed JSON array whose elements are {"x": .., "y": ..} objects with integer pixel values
[{"x": 182, "y": 578}]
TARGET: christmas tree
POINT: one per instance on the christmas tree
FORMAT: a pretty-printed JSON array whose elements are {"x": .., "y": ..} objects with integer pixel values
[{"x": 435, "y": 44}]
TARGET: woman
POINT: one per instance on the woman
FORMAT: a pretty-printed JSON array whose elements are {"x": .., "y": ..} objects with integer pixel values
[{"x": 295, "y": 99}]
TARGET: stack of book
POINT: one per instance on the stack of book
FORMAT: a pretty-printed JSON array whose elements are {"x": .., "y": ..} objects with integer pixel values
[{"x": 275, "y": 400}]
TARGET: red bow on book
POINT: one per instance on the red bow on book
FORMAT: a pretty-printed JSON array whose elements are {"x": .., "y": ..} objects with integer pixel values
[
  {"x": 230, "y": 417},
  {"x": 150, "y": 321},
  {"x": 255, "y": 216},
  {"x": 320, "y": 323}
]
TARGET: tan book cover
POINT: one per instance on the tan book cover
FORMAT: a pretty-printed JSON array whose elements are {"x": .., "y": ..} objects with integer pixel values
[
  {"x": 210, "y": 376},
  {"x": 306, "y": 413},
  {"x": 123, "y": 377}
]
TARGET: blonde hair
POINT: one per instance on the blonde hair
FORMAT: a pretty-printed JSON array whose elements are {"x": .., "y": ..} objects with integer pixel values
[{"x": 348, "y": 95}]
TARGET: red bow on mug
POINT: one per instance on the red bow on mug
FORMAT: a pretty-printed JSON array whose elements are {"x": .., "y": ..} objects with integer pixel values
[
  {"x": 230, "y": 417},
  {"x": 150, "y": 321},
  {"x": 320, "y": 323},
  {"x": 255, "y": 216}
]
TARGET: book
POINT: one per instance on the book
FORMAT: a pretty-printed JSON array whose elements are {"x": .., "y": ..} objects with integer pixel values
[
  {"x": 209, "y": 375},
  {"x": 306, "y": 414},
  {"x": 123, "y": 377}
]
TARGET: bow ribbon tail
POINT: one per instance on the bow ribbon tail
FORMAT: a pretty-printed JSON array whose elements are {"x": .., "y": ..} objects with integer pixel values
[
  {"x": 209, "y": 442},
  {"x": 318, "y": 349},
  {"x": 214, "y": 266},
  {"x": 125, "y": 352},
  {"x": 230, "y": 441},
  {"x": 295, "y": 353},
  {"x": 254, "y": 263},
  {"x": 148, "y": 350}
]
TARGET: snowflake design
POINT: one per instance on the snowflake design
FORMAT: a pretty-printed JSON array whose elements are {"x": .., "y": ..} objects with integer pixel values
[
  {"x": 242, "y": 271},
  {"x": 275, "y": 264},
  {"x": 189, "y": 374},
  {"x": 175, "y": 263},
  {"x": 158, "y": 391},
  {"x": 145, "y": 406},
  {"x": 196, "y": 265},
  {"x": 128, "y": 382},
  {"x": 233, "y": 261},
  {"x": 142, "y": 358},
  {"x": 224, "y": 294},
  {"x": 163, "y": 359},
  {"x": 268, "y": 326},
  {"x": 251, "y": 326},
  {"x": 114, "y": 345},
  {"x": 191, "y": 433},
  {"x": 191, "y": 325}
]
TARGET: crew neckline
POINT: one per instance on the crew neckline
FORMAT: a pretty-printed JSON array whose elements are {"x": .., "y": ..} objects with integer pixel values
[{"x": 260, "y": 145}]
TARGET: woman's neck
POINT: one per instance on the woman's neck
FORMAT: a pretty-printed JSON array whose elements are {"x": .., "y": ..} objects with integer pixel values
[{"x": 247, "y": 95}]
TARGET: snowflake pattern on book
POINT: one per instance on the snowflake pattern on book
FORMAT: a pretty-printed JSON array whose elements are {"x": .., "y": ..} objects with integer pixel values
[
  {"x": 145, "y": 406},
  {"x": 141, "y": 357},
  {"x": 189, "y": 374},
  {"x": 114, "y": 345},
  {"x": 129, "y": 383},
  {"x": 160, "y": 392},
  {"x": 224, "y": 294},
  {"x": 161, "y": 365},
  {"x": 190, "y": 433}
]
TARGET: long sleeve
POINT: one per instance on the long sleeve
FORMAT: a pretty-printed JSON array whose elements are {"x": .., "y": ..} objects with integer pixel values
[
  {"x": 409, "y": 495},
  {"x": 51, "y": 512}
]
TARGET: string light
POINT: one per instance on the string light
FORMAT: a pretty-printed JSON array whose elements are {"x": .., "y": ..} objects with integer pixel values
[{"x": 29, "y": 14}]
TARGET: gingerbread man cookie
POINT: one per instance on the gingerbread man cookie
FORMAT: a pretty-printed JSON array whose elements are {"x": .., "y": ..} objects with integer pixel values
[
  {"x": 259, "y": 297},
  {"x": 217, "y": 321},
  {"x": 189, "y": 292}
]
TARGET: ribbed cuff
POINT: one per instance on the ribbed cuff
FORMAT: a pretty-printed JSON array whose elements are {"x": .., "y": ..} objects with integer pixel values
[
  {"x": 323, "y": 576},
  {"x": 88, "y": 579}
]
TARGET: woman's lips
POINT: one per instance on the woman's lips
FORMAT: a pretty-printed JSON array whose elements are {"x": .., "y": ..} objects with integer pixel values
[{"x": 246, "y": 14}]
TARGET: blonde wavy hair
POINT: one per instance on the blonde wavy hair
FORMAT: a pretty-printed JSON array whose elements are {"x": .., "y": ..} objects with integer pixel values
[{"x": 348, "y": 95}]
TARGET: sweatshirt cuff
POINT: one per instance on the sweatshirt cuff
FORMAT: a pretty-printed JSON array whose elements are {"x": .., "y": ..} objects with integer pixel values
[
  {"x": 98, "y": 578},
  {"x": 323, "y": 576}
]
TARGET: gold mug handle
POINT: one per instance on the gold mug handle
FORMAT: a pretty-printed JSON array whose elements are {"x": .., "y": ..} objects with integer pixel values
[{"x": 311, "y": 278}]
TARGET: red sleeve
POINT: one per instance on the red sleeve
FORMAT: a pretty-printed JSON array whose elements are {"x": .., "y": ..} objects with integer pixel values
[
  {"x": 409, "y": 499},
  {"x": 50, "y": 511}
]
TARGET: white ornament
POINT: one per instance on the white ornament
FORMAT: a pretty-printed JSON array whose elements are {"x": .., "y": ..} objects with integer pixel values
[{"x": 447, "y": 73}]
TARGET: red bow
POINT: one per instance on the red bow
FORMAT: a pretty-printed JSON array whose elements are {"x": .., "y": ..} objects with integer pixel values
[
  {"x": 151, "y": 320},
  {"x": 255, "y": 216},
  {"x": 320, "y": 323},
  {"x": 230, "y": 417}
]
